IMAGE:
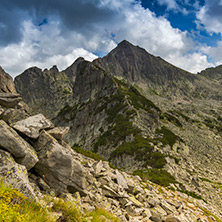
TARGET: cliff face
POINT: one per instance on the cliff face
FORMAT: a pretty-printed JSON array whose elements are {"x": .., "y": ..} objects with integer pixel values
[
  {"x": 35, "y": 160},
  {"x": 6, "y": 83},
  {"x": 139, "y": 112},
  {"x": 52, "y": 89}
]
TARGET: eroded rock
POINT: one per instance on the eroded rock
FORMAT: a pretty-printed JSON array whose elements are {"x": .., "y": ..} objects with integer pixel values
[
  {"x": 6, "y": 83},
  {"x": 9, "y": 100},
  {"x": 59, "y": 132},
  {"x": 32, "y": 126},
  {"x": 18, "y": 147},
  {"x": 58, "y": 167},
  {"x": 15, "y": 174}
]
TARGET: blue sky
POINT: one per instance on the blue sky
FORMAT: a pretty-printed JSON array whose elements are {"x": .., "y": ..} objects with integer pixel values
[{"x": 42, "y": 33}]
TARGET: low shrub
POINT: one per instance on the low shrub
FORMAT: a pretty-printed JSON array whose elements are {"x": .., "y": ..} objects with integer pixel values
[
  {"x": 158, "y": 176},
  {"x": 88, "y": 153}
]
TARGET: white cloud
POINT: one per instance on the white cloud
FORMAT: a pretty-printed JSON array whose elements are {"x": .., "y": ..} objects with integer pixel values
[
  {"x": 158, "y": 37},
  {"x": 171, "y": 4},
  {"x": 40, "y": 47},
  {"x": 53, "y": 43},
  {"x": 210, "y": 16},
  {"x": 214, "y": 52},
  {"x": 194, "y": 62}
]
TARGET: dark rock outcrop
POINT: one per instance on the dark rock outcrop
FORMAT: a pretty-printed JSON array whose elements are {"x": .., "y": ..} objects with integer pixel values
[
  {"x": 9, "y": 100},
  {"x": 6, "y": 82},
  {"x": 18, "y": 147}
]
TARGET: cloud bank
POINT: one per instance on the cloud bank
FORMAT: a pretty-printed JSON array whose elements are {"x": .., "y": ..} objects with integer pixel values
[{"x": 43, "y": 33}]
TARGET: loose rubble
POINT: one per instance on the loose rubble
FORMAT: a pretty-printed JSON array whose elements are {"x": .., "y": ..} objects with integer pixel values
[{"x": 39, "y": 163}]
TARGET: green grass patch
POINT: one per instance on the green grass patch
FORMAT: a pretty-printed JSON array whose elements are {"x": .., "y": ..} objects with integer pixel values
[
  {"x": 172, "y": 119},
  {"x": 168, "y": 137},
  {"x": 192, "y": 194},
  {"x": 158, "y": 176},
  {"x": 143, "y": 151},
  {"x": 88, "y": 153},
  {"x": 118, "y": 131},
  {"x": 132, "y": 147},
  {"x": 101, "y": 215},
  {"x": 206, "y": 180},
  {"x": 68, "y": 113},
  {"x": 208, "y": 213},
  {"x": 15, "y": 207},
  {"x": 119, "y": 116},
  {"x": 136, "y": 99}
]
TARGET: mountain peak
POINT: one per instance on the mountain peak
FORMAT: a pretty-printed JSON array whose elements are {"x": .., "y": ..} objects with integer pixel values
[
  {"x": 136, "y": 64},
  {"x": 213, "y": 73},
  {"x": 54, "y": 68},
  {"x": 125, "y": 43}
]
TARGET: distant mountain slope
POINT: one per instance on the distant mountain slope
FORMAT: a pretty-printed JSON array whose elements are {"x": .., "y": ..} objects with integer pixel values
[
  {"x": 213, "y": 73},
  {"x": 136, "y": 64},
  {"x": 47, "y": 90},
  {"x": 138, "y": 111}
]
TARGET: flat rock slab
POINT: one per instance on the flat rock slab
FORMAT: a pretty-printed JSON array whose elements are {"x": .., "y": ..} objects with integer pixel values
[
  {"x": 12, "y": 115},
  {"x": 121, "y": 180},
  {"x": 9, "y": 100},
  {"x": 15, "y": 174},
  {"x": 32, "y": 126},
  {"x": 23, "y": 152}
]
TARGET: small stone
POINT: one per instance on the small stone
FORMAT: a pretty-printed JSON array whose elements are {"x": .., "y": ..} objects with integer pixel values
[
  {"x": 98, "y": 167},
  {"x": 146, "y": 213},
  {"x": 121, "y": 180},
  {"x": 172, "y": 219},
  {"x": 1, "y": 111},
  {"x": 58, "y": 132},
  {"x": 43, "y": 184},
  {"x": 135, "y": 201},
  {"x": 107, "y": 191}
]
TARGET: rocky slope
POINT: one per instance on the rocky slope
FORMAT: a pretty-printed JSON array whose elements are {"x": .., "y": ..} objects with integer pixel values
[
  {"x": 35, "y": 160},
  {"x": 139, "y": 112}
]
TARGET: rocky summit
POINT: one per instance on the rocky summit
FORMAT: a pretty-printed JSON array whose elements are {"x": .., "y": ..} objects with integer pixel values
[{"x": 129, "y": 133}]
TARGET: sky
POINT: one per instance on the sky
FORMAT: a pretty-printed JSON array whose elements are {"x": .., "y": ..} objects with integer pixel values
[{"x": 43, "y": 33}]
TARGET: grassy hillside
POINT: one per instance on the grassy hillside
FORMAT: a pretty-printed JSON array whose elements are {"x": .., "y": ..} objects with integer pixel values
[{"x": 15, "y": 207}]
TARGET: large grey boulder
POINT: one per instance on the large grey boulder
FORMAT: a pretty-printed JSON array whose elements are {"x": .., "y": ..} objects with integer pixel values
[
  {"x": 12, "y": 115},
  {"x": 59, "y": 168},
  {"x": 9, "y": 100},
  {"x": 32, "y": 125},
  {"x": 18, "y": 147},
  {"x": 15, "y": 174}
]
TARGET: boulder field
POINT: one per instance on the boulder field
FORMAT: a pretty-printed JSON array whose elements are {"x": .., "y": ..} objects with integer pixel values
[{"x": 36, "y": 161}]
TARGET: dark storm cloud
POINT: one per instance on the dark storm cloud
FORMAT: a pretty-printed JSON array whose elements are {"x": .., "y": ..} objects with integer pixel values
[
  {"x": 73, "y": 14},
  {"x": 10, "y": 25},
  {"x": 214, "y": 8}
]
